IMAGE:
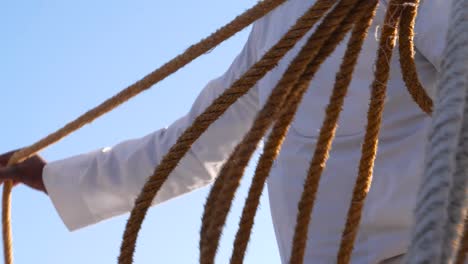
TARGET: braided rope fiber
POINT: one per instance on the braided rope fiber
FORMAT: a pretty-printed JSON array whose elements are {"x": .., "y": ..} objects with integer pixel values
[
  {"x": 455, "y": 228},
  {"x": 457, "y": 203},
  {"x": 441, "y": 201}
]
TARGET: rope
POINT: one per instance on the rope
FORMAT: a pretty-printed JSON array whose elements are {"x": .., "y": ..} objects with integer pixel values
[
  {"x": 461, "y": 256},
  {"x": 239, "y": 160},
  {"x": 6, "y": 223},
  {"x": 279, "y": 131},
  {"x": 457, "y": 202},
  {"x": 201, "y": 123},
  {"x": 438, "y": 214},
  {"x": 328, "y": 130},
  {"x": 279, "y": 111},
  {"x": 205, "y": 45},
  {"x": 374, "y": 119},
  {"x": 312, "y": 16},
  {"x": 406, "y": 48}
]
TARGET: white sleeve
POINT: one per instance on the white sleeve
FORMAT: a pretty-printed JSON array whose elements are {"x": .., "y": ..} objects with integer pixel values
[
  {"x": 88, "y": 188},
  {"x": 431, "y": 29}
]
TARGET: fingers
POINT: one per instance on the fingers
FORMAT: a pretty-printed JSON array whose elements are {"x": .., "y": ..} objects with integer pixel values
[
  {"x": 4, "y": 158},
  {"x": 9, "y": 173}
]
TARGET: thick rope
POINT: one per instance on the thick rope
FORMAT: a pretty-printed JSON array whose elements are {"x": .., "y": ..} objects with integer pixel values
[
  {"x": 279, "y": 131},
  {"x": 280, "y": 109},
  {"x": 324, "y": 31},
  {"x": 455, "y": 232},
  {"x": 406, "y": 48},
  {"x": 201, "y": 123},
  {"x": 205, "y": 45},
  {"x": 232, "y": 171},
  {"x": 463, "y": 249},
  {"x": 374, "y": 119},
  {"x": 430, "y": 242},
  {"x": 311, "y": 17},
  {"x": 457, "y": 204},
  {"x": 238, "y": 161},
  {"x": 327, "y": 131},
  {"x": 6, "y": 223}
]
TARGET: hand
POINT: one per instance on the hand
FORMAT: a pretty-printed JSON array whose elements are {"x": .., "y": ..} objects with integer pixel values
[{"x": 28, "y": 172}]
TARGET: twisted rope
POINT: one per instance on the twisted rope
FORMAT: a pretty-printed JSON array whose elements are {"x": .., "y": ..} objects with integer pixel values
[
  {"x": 406, "y": 48},
  {"x": 232, "y": 171},
  {"x": 327, "y": 131},
  {"x": 374, "y": 119},
  {"x": 280, "y": 129},
  {"x": 196, "y": 50},
  {"x": 309, "y": 19},
  {"x": 201, "y": 123},
  {"x": 463, "y": 249},
  {"x": 457, "y": 203},
  {"x": 279, "y": 112},
  {"x": 442, "y": 194}
]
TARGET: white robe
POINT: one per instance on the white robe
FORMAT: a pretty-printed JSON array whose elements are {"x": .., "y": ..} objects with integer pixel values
[{"x": 91, "y": 187}]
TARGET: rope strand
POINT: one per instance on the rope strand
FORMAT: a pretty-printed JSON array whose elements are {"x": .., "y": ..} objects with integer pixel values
[
  {"x": 374, "y": 119},
  {"x": 309, "y": 19},
  {"x": 326, "y": 134},
  {"x": 461, "y": 256},
  {"x": 205, "y": 45},
  {"x": 408, "y": 65},
  {"x": 279, "y": 112},
  {"x": 279, "y": 131},
  {"x": 201, "y": 123},
  {"x": 234, "y": 168},
  {"x": 431, "y": 241}
]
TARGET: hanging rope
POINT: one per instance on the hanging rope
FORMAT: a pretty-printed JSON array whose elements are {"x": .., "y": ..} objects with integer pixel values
[
  {"x": 205, "y": 45},
  {"x": 233, "y": 169},
  {"x": 313, "y": 15},
  {"x": 240, "y": 87},
  {"x": 406, "y": 48},
  {"x": 441, "y": 201},
  {"x": 282, "y": 124},
  {"x": 374, "y": 119},
  {"x": 463, "y": 249},
  {"x": 278, "y": 113}
]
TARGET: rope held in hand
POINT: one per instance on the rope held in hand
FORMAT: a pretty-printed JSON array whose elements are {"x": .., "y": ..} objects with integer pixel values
[
  {"x": 196, "y": 50},
  {"x": 277, "y": 113}
]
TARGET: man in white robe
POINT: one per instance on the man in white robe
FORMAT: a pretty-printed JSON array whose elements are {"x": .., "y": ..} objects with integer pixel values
[{"x": 91, "y": 187}]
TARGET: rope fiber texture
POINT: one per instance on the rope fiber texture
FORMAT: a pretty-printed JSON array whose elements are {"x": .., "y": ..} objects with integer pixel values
[
  {"x": 231, "y": 181},
  {"x": 374, "y": 119},
  {"x": 240, "y": 87},
  {"x": 338, "y": 19},
  {"x": 441, "y": 204},
  {"x": 240, "y": 22},
  {"x": 291, "y": 76},
  {"x": 280, "y": 129}
]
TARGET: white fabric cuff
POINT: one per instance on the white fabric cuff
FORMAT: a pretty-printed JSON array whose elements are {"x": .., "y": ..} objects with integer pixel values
[{"x": 65, "y": 193}]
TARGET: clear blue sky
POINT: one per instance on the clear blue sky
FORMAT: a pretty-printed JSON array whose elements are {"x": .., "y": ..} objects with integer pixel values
[{"x": 60, "y": 58}]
